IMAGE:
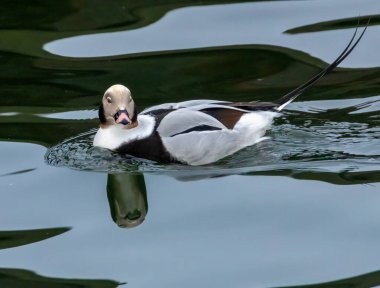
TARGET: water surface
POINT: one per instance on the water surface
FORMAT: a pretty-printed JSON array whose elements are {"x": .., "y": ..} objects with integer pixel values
[{"x": 299, "y": 208}]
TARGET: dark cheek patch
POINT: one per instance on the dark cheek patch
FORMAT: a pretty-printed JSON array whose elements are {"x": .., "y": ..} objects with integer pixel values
[
  {"x": 134, "y": 118},
  {"x": 102, "y": 117}
]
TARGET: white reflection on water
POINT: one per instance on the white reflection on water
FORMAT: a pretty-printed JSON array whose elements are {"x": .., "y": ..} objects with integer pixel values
[
  {"x": 77, "y": 115},
  {"x": 216, "y": 25},
  {"x": 236, "y": 231},
  {"x": 361, "y": 105}
]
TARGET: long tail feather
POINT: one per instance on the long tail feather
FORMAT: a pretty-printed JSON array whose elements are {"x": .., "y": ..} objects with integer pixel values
[{"x": 289, "y": 97}]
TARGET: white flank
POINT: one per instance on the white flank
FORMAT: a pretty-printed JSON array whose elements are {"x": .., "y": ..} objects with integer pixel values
[
  {"x": 183, "y": 119},
  {"x": 184, "y": 104},
  {"x": 114, "y": 136},
  {"x": 204, "y": 147}
]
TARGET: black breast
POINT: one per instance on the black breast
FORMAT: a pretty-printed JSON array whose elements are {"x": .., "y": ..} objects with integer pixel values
[{"x": 149, "y": 148}]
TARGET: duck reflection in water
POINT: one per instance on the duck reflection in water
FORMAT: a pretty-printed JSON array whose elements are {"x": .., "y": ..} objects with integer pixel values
[{"x": 127, "y": 199}]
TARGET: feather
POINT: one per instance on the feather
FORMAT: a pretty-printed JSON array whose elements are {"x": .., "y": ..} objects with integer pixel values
[
  {"x": 184, "y": 119},
  {"x": 289, "y": 97}
]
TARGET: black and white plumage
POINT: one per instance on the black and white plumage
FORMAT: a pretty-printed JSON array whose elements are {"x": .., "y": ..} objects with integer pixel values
[{"x": 193, "y": 132}]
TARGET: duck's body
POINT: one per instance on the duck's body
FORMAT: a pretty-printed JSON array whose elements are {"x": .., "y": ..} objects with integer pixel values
[
  {"x": 193, "y": 132},
  {"x": 189, "y": 132}
]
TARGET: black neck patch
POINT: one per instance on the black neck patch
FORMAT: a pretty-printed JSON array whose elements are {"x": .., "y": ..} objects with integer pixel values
[
  {"x": 102, "y": 117},
  {"x": 134, "y": 118}
]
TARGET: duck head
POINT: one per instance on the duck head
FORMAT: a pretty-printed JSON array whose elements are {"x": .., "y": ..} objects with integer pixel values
[{"x": 118, "y": 108}]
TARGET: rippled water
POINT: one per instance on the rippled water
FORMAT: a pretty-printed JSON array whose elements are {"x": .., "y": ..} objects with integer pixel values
[
  {"x": 300, "y": 207},
  {"x": 306, "y": 138}
]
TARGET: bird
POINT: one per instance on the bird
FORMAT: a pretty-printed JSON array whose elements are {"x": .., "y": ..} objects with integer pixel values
[{"x": 193, "y": 132}]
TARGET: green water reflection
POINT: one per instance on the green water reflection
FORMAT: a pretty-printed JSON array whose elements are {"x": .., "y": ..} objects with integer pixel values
[
  {"x": 255, "y": 73},
  {"x": 47, "y": 21},
  {"x": 9, "y": 239},
  {"x": 18, "y": 278},
  {"x": 336, "y": 24},
  {"x": 366, "y": 280}
]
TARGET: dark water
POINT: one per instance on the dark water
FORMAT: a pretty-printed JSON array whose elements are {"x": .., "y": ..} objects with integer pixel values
[{"x": 298, "y": 209}]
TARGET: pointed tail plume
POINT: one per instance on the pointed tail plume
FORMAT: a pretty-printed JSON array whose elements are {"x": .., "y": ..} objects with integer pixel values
[{"x": 289, "y": 97}]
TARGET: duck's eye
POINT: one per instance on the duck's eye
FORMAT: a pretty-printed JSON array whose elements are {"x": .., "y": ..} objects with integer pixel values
[{"x": 109, "y": 100}]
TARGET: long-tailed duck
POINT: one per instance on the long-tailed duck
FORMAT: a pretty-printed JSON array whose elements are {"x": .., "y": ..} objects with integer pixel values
[{"x": 193, "y": 132}]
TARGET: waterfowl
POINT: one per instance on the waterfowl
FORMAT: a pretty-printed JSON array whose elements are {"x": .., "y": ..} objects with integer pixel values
[{"x": 195, "y": 132}]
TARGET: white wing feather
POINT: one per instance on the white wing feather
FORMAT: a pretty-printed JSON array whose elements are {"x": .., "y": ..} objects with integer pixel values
[
  {"x": 184, "y": 119},
  {"x": 203, "y": 147},
  {"x": 184, "y": 104}
]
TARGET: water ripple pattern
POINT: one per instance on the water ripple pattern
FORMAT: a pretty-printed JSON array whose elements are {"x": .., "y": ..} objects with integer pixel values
[{"x": 301, "y": 139}]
